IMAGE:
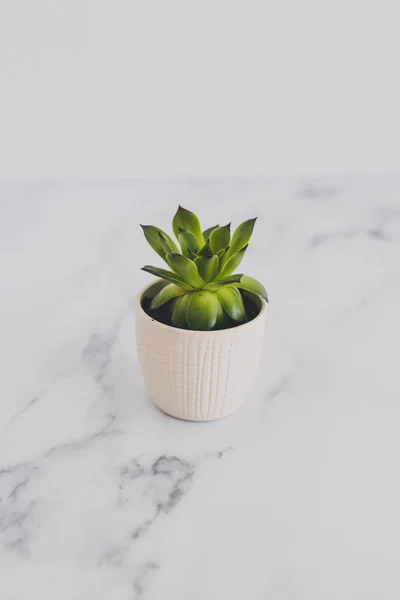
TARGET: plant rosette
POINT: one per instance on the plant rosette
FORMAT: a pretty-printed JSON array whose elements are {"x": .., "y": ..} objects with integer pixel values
[{"x": 200, "y": 326}]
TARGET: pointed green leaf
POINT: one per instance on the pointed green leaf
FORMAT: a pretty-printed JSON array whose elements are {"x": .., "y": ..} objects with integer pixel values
[
  {"x": 168, "y": 245},
  {"x": 222, "y": 318},
  {"x": 232, "y": 303},
  {"x": 232, "y": 263},
  {"x": 153, "y": 236},
  {"x": 220, "y": 238},
  {"x": 202, "y": 310},
  {"x": 207, "y": 267},
  {"x": 180, "y": 305},
  {"x": 189, "y": 243},
  {"x": 186, "y": 269},
  {"x": 167, "y": 293},
  {"x": 206, "y": 250},
  {"x": 253, "y": 286},
  {"x": 206, "y": 233},
  {"x": 221, "y": 256},
  {"x": 188, "y": 221},
  {"x": 168, "y": 275},
  {"x": 191, "y": 254},
  {"x": 231, "y": 280},
  {"x": 241, "y": 237}
]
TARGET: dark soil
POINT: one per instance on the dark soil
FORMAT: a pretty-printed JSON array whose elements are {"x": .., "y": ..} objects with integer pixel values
[{"x": 163, "y": 314}]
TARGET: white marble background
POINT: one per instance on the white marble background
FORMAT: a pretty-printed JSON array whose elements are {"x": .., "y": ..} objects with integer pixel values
[{"x": 296, "y": 497}]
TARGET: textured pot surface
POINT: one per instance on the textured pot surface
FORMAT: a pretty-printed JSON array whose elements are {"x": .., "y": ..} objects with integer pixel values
[{"x": 197, "y": 375}]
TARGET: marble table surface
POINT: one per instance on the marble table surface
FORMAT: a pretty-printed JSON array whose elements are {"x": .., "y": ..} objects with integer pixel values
[{"x": 295, "y": 497}]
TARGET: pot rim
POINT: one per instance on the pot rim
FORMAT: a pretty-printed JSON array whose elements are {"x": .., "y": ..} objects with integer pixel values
[{"x": 156, "y": 323}]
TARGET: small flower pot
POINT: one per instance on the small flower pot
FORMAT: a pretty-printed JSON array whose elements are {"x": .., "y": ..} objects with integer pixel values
[{"x": 197, "y": 375}]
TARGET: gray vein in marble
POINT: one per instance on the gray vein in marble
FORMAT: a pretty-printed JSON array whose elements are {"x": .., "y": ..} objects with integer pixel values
[
  {"x": 96, "y": 354},
  {"x": 18, "y": 489},
  {"x": 21, "y": 412},
  {"x": 220, "y": 454},
  {"x": 97, "y": 351},
  {"x": 172, "y": 478},
  {"x": 180, "y": 473},
  {"x": 114, "y": 556},
  {"x": 144, "y": 527},
  {"x": 142, "y": 577},
  {"x": 84, "y": 442},
  {"x": 279, "y": 389},
  {"x": 130, "y": 472},
  {"x": 177, "y": 475},
  {"x": 16, "y": 510},
  {"x": 38, "y": 395}
]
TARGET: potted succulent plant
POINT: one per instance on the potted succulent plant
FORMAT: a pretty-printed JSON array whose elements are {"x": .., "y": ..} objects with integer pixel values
[{"x": 200, "y": 326}]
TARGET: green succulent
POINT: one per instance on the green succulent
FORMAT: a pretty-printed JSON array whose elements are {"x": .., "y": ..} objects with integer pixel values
[{"x": 203, "y": 292}]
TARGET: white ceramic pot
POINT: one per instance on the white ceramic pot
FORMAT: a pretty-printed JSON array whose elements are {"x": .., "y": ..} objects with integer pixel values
[{"x": 197, "y": 375}]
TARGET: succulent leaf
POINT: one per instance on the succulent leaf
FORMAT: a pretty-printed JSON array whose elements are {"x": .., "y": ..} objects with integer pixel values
[
  {"x": 221, "y": 255},
  {"x": 222, "y": 318},
  {"x": 240, "y": 238},
  {"x": 156, "y": 237},
  {"x": 232, "y": 303},
  {"x": 231, "y": 280},
  {"x": 206, "y": 250},
  {"x": 168, "y": 275},
  {"x": 252, "y": 285},
  {"x": 187, "y": 221},
  {"x": 189, "y": 243},
  {"x": 207, "y": 267},
  {"x": 232, "y": 264},
  {"x": 220, "y": 238},
  {"x": 179, "y": 309},
  {"x": 192, "y": 255},
  {"x": 167, "y": 244},
  {"x": 206, "y": 232},
  {"x": 186, "y": 269},
  {"x": 167, "y": 293},
  {"x": 202, "y": 310}
]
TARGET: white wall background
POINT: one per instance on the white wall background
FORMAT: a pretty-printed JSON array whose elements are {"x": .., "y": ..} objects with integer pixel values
[{"x": 129, "y": 88}]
